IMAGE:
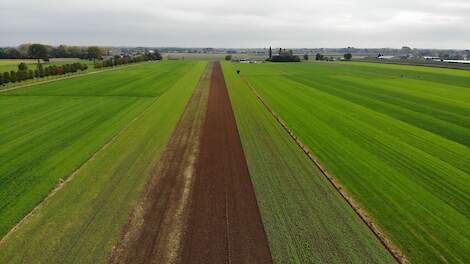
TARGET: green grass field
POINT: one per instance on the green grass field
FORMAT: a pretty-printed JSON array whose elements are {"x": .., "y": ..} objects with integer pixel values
[
  {"x": 48, "y": 131},
  {"x": 396, "y": 137},
  {"x": 305, "y": 218}
]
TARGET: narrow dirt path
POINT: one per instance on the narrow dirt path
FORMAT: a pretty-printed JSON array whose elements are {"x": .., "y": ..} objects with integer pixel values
[
  {"x": 156, "y": 228},
  {"x": 224, "y": 223}
]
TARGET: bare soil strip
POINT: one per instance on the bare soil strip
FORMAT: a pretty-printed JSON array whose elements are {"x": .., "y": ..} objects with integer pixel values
[
  {"x": 224, "y": 223},
  {"x": 156, "y": 228},
  {"x": 388, "y": 244}
]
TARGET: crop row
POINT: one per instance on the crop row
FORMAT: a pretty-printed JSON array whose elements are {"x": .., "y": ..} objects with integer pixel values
[{"x": 396, "y": 138}]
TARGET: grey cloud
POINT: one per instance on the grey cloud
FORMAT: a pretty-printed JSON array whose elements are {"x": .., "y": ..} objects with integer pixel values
[{"x": 243, "y": 23}]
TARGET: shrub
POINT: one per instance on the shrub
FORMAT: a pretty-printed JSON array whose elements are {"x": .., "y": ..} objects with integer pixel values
[
  {"x": 47, "y": 71},
  {"x": 30, "y": 74},
  {"x": 41, "y": 70},
  {"x": 67, "y": 68},
  {"x": 6, "y": 77},
  {"x": 22, "y": 66},
  {"x": 21, "y": 75},
  {"x": 13, "y": 77},
  {"x": 60, "y": 70},
  {"x": 99, "y": 65}
]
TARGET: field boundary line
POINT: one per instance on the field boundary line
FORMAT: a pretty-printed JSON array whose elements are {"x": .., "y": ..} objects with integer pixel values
[
  {"x": 387, "y": 243},
  {"x": 62, "y": 184},
  {"x": 70, "y": 77}
]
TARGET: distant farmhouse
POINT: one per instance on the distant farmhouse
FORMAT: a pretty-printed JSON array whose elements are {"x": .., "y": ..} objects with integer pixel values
[
  {"x": 386, "y": 57},
  {"x": 283, "y": 56},
  {"x": 429, "y": 58}
]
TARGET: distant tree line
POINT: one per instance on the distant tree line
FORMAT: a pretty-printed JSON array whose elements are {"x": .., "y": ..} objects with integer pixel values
[
  {"x": 44, "y": 52},
  {"x": 412, "y": 52},
  {"x": 321, "y": 57},
  {"x": 127, "y": 59},
  {"x": 23, "y": 73}
]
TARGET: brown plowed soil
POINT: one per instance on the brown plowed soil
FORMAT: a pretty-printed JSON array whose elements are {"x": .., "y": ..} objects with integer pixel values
[
  {"x": 156, "y": 228},
  {"x": 224, "y": 223}
]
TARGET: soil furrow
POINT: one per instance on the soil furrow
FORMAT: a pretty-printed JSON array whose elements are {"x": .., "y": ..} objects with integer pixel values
[{"x": 224, "y": 223}]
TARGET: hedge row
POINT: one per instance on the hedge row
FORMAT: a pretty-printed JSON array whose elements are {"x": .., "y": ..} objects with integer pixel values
[
  {"x": 23, "y": 73},
  {"x": 120, "y": 60}
]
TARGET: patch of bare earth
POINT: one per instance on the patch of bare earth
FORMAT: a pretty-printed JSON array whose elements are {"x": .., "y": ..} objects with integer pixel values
[{"x": 157, "y": 226}]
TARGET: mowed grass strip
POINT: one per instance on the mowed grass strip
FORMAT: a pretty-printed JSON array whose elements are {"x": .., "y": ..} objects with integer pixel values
[
  {"x": 396, "y": 138},
  {"x": 81, "y": 222},
  {"x": 305, "y": 218},
  {"x": 44, "y": 138}
]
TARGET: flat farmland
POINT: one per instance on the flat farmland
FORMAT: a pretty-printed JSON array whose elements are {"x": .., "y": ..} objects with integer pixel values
[
  {"x": 305, "y": 219},
  {"x": 51, "y": 131},
  {"x": 188, "y": 161},
  {"x": 396, "y": 137}
]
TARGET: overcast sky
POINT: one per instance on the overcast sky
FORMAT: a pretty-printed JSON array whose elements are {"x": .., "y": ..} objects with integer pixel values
[{"x": 241, "y": 23}]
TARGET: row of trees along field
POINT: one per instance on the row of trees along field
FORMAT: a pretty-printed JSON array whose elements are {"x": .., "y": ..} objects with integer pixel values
[
  {"x": 321, "y": 57},
  {"x": 44, "y": 52},
  {"x": 128, "y": 59},
  {"x": 23, "y": 73},
  {"x": 40, "y": 51}
]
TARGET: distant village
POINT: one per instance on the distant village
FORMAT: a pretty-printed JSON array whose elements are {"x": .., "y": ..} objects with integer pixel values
[
  {"x": 385, "y": 53},
  {"x": 404, "y": 54},
  {"x": 252, "y": 55}
]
